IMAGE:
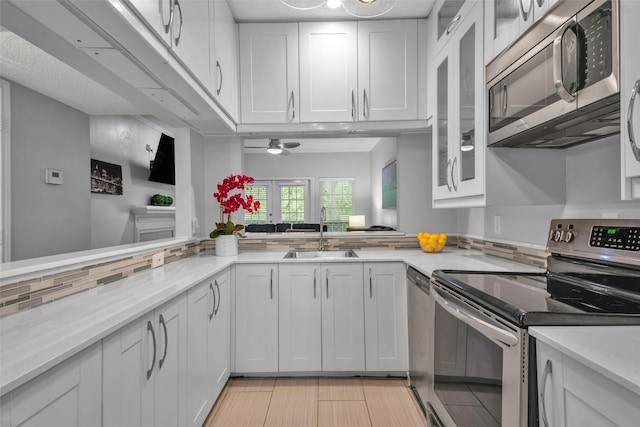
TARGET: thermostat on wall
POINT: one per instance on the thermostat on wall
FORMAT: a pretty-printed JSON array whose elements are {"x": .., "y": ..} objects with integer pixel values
[{"x": 53, "y": 176}]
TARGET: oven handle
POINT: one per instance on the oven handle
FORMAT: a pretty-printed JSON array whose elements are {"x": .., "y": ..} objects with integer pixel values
[{"x": 475, "y": 320}]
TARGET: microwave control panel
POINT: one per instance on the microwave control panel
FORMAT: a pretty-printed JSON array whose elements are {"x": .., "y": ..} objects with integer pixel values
[{"x": 595, "y": 34}]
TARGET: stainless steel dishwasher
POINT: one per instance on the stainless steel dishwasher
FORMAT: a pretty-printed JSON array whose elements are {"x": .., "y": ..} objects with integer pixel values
[{"x": 420, "y": 310}]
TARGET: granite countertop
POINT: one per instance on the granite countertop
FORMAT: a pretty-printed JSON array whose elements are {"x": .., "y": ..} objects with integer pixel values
[
  {"x": 609, "y": 350},
  {"x": 37, "y": 339}
]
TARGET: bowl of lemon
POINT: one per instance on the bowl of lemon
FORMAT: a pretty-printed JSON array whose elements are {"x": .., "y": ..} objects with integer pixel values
[{"x": 432, "y": 242}]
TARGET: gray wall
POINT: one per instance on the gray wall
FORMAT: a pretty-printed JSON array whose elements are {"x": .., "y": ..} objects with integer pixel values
[
  {"x": 48, "y": 219},
  {"x": 382, "y": 154}
]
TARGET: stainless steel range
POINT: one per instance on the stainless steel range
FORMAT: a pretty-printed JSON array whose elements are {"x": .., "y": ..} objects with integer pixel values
[{"x": 484, "y": 360}]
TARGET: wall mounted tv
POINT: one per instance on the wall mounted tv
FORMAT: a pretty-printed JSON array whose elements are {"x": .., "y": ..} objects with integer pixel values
[{"x": 163, "y": 167}]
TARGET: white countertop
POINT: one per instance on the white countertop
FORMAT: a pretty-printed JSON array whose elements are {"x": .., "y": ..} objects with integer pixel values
[
  {"x": 613, "y": 351},
  {"x": 37, "y": 339}
]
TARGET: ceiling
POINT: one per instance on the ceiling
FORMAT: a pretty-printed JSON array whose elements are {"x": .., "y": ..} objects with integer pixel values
[
  {"x": 315, "y": 145},
  {"x": 276, "y": 11}
]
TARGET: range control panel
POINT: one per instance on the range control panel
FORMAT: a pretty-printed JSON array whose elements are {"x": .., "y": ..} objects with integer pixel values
[{"x": 611, "y": 239}]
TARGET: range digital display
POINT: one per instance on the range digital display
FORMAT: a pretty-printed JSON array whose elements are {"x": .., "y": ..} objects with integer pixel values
[{"x": 625, "y": 238}]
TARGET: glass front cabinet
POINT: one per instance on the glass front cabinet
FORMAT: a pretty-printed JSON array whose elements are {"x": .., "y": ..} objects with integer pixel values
[{"x": 459, "y": 129}]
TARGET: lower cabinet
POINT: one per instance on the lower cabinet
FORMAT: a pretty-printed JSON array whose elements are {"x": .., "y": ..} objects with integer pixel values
[
  {"x": 571, "y": 394},
  {"x": 208, "y": 345},
  {"x": 385, "y": 317},
  {"x": 256, "y": 318},
  {"x": 69, "y": 394},
  {"x": 145, "y": 369}
]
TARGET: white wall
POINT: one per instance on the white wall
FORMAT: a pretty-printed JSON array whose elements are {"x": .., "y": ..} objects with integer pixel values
[
  {"x": 314, "y": 166},
  {"x": 48, "y": 219},
  {"x": 121, "y": 140},
  {"x": 197, "y": 194},
  {"x": 382, "y": 154},
  {"x": 414, "y": 188}
]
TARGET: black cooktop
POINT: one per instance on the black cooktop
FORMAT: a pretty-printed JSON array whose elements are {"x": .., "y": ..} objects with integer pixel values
[{"x": 529, "y": 299}]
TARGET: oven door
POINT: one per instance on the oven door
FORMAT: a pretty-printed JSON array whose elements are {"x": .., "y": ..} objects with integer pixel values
[{"x": 480, "y": 365}]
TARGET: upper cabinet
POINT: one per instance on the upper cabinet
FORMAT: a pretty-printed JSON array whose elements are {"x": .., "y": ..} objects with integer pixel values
[
  {"x": 446, "y": 16},
  {"x": 224, "y": 61},
  {"x": 630, "y": 99},
  {"x": 348, "y": 71},
  {"x": 269, "y": 73},
  {"x": 190, "y": 37},
  {"x": 157, "y": 15},
  {"x": 328, "y": 71},
  {"x": 388, "y": 70}
]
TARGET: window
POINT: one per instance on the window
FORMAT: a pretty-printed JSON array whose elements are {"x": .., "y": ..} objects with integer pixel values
[
  {"x": 280, "y": 201},
  {"x": 259, "y": 192},
  {"x": 292, "y": 203},
  {"x": 337, "y": 199}
]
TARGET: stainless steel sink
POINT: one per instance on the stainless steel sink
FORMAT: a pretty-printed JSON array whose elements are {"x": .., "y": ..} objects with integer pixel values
[{"x": 305, "y": 253}]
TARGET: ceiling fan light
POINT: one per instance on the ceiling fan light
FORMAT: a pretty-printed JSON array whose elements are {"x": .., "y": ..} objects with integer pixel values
[
  {"x": 366, "y": 1},
  {"x": 334, "y": 4},
  {"x": 274, "y": 150}
]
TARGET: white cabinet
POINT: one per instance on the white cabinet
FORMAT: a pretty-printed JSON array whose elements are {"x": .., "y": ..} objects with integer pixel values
[
  {"x": 387, "y": 70},
  {"x": 630, "y": 99},
  {"x": 446, "y": 16},
  {"x": 208, "y": 345},
  {"x": 342, "y": 317},
  {"x": 505, "y": 20},
  {"x": 144, "y": 369},
  {"x": 224, "y": 61},
  {"x": 328, "y": 71},
  {"x": 156, "y": 14},
  {"x": 69, "y": 394},
  {"x": 256, "y": 318},
  {"x": 190, "y": 37},
  {"x": 300, "y": 317},
  {"x": 269, "y": 73},
  {"x": 385, "y": 311},
  {"x": 571, "y": 394},
  {"x": 459, "y": 134}
]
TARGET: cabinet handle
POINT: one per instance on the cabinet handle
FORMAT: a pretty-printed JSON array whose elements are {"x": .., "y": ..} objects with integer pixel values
[
  {"x": 370, "y": 285},
  {"x": 505, "y": 99},
  {"x": 314, "y": 283},
  {"x": 167, "y": 26},
  {"x": 540, "y": 2},
  {"x": 446, "y": 173},
  {"x": 293, "y": 105},
  {"x": 327, "y": 283},
  {"x": 219, "y": 298},
  {"x": 153, "y": 337},
  {"x": 547, "y": 372},
  {"x": 166, "y": 342},
  {"x": 526, "y": 13},
  {"x": 632, "y": 139},
  {"x": 213, "y": 310},
  {"x": 453, "y": 23},
  {"x": 353, "y": 105},
  {"x": 558, "y": 82},
  {"x": 271, "y": 284},
  {"x": 453, "y": 181},
  {"x": 365, "y": 104},
  {"x": 176, "y": 39},
  {"x": 219, "y": 89}
]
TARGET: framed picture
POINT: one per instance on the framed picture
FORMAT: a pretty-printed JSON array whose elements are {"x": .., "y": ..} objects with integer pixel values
[
  {"x": 106, "y": 178},
  {"x": 389, "y": 186}
]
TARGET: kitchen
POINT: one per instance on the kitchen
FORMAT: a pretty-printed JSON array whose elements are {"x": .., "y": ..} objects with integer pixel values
[{"x": 584, "y": 193}]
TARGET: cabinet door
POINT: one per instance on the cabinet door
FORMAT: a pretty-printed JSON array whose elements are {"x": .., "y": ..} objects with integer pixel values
[
  {"x": 300, "y": 339},
  {"x": 269, "y": 73},
  {"x": 328, "y": 71},
  {"x": 220, "y": 346},
  {"x": 156, "y": 14},
  {"x": 342, "y": 317},
  {"x": 257, "y": 318},
  {"x": 69, "y": 394},
  {"x": 442, "y": 111},
  {"x": 224, "y": 65},
  {"x": 630, "y": 99},
  {"x": 190, "y": 33},
  {"x": 385, "y": 310},
  {"x": 128, "y": 363},
  {"x": 387, "y": 70},
  {"x": 200, "y": 308},
  {"x": 550, "y": 385},
  {"x": 505, "y": 21}
]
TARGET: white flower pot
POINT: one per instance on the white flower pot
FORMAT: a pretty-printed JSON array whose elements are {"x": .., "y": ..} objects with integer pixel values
[{"x": 227, "y": 245}]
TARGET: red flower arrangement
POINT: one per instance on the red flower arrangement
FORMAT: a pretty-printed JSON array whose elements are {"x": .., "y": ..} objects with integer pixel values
[{"x": 230, "y": 203}]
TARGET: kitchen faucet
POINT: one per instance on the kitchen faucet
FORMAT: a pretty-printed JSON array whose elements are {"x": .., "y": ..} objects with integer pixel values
[{"x": 323, "y": 215}]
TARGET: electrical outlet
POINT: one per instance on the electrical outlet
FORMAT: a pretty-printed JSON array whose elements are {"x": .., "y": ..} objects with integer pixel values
[
  {"x": 157, "y": 260},
  {"x": 610, "y": 215},
  {"x": 497, "y": 226}
]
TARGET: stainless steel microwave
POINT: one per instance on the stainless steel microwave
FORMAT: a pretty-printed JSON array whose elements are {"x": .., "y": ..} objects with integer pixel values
[{"x": 558, "y": 85}]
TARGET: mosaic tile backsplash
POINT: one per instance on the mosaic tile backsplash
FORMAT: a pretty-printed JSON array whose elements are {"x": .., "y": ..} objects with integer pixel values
[{"x": 28, "y": 293}]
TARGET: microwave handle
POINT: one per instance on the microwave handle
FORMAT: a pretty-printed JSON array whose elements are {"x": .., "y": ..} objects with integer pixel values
[
  {"x": 557, "y": 61},
  {"x": 632, "y": 138},
  {"x": 476, "y": 320}
]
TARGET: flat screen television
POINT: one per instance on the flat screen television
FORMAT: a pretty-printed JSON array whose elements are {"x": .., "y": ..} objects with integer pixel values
[{"x": 163, "y": 167}]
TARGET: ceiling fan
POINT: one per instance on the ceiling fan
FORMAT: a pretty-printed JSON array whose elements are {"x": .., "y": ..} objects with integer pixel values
[{"x": 275, "y": 146}]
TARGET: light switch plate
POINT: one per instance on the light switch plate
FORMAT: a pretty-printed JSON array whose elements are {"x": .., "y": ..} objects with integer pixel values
[
  {"x": 157, "y": 260},
  {"x": 53, "y": 176}
]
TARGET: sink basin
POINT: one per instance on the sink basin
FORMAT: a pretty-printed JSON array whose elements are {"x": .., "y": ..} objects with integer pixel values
[{"x": 305, "y": 253}]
